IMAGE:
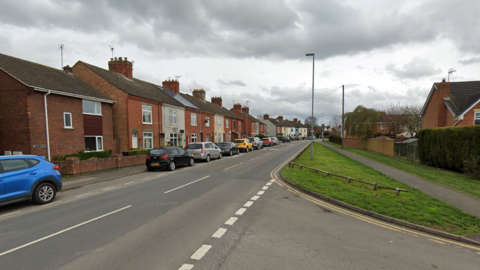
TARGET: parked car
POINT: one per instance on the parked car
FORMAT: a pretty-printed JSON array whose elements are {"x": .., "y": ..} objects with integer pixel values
[
  {"x": 204, "y": 150},
  {"x": 27, "y": 177},
  {"x": 256, "y": 142},
  {"x": 286, "y": 139},
  {"x": 244, "y": 145},
  {"x": 229, "y": 148},
  {"x": 275, "y": 140},
  {"x": 168, "y": 157},
  {"x": 267, "y": 141}
]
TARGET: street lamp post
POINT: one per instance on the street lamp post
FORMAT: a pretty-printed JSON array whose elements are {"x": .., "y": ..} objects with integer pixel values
[
  {"x": 246, "y": 116},
  {"x": 313, "y": 80}
]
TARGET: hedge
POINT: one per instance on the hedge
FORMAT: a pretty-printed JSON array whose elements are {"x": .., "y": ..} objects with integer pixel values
[
  {"x": 85, "y": 155},
  {"x": 449, "y": 147}
]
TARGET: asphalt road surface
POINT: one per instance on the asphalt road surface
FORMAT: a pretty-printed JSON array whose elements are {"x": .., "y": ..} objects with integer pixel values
[{"x": 226, "y": 214}]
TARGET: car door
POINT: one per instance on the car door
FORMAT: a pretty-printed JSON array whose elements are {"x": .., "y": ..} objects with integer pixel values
[
  {"x": 183, "y": 156},
  {"x": 18, "y": 177}
]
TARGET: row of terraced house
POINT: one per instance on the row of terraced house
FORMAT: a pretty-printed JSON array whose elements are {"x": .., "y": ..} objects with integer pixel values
[{"x": 51, "y": 112}]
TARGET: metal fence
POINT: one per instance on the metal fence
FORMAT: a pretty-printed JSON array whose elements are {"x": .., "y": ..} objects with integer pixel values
[{"x": 406, "y": 150}]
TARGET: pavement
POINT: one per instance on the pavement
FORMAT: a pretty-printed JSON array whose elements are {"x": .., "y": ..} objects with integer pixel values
[{"x": 463, "y": 201}]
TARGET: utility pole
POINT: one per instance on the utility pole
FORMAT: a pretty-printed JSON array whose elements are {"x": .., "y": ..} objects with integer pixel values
[
  {"x": 313, "y": 83},
  {"x": 343, "y": 113}
]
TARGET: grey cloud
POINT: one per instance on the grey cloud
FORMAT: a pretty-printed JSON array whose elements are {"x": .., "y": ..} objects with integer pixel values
[
  {"x": 416, "y": 68},
  {"x": 473, "y": 60},
  {"x": 231, "y": 83}
]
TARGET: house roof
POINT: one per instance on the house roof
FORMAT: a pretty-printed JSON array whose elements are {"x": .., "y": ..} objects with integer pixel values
[
  {"x": 47, "y": 78},
  {"x": 136, "y": 87},
  {"x": 276, "y": 122},
  {"x": 382, "y": 118},
  {"x": 202, "y": 105},
  {"x": 463, "y": 95},
  {"x": 250, "y": 117}
]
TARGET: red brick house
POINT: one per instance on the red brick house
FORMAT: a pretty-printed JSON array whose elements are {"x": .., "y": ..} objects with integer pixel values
[
  {"x": 204, "y": 125},
  {"x": 50, "y": 112},
  {"x": 232, "y": 121},
  {"x": 452, "y": 104},
  {"x": 253, "y": 123},
  {"x": 145, "y": 115}
]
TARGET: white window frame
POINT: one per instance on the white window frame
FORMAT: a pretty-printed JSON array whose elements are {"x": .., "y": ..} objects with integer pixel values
[
  {"x": 173, "y": 136},
  {"x": 173, "y": 117},
  {"x": 146, "y": 110},
  {"x": 226, "y": 123},
  {"x": 219, "y": 122},
  {"x": 193, "y": 121},
  {"x": 475, "y": 117},
  {"x": 194, "y": 137},
  {"x": 97, "y": 107},
  {"x": 65, "y": 120},
  {"x": 207, "y": 121},
  {"x": 96, "y": 143},
  {"x": 147, "y": 136}
]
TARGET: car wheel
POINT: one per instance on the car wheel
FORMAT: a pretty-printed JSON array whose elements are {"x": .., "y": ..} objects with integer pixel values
[
  {"x": 44, "y": 193},
  {"x": 192, "y": 161},
  {"x": 208, "y": 158},
  {"x": 220, "y": 155},
  {"x": 231, "y": 152},
  {"x": 171, "y": 166}
]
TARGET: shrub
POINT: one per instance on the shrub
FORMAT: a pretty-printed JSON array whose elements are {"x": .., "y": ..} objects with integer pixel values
[
  {"x": 137, "y": 152},
  {"x": 471, "y": 167},
  {"x": 85, "y": 155}
]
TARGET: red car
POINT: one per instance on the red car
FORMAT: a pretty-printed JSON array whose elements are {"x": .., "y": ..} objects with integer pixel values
[{"x": 267, "y": 142}]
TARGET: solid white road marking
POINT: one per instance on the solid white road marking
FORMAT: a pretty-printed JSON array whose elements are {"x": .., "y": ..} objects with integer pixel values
[
  {"x": 265, "y": 187},
  {"x": 186, "y": 267},
  {"x": 108, "y": 188},
  {"x": 10, "y": 214},
  {"x": 231, "y": 220},
  {"x": 260, "y": 192},
  {"x": 201, "y": 252},
  {"x": 248, "y": 204},
  {"x": 62, "y": 231},
  {"x": 230, "y": 167},
  {"x": 187, "y": 184},
  {"x": 254, "y": 198},
  {"x": 83, "y": 195},
  {"x": 128, "y": 183},
  {"x": 240, "y": 211},
  {"x": 219, "y": 233}
]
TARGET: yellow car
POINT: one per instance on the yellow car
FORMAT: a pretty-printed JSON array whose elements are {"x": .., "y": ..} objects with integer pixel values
[{"x": 244, "y": 145}]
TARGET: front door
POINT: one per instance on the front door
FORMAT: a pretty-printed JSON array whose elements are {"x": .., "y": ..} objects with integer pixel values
[{"x": 134, "y": 140}]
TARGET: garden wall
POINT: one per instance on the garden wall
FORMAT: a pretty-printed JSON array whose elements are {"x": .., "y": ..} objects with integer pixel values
[
  {"x": 382, "y": 146},
  {"x": 73, "y": 166}
]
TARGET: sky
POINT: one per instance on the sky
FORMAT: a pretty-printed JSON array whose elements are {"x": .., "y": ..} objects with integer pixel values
[{"x": 383, "y": 51}]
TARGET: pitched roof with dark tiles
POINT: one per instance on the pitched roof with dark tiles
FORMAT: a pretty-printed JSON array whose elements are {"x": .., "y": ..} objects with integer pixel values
[
  {"x": 40, "y": 76},
  {"x": 276, "y": 122},
  {"x": 135, "y": 87},
  {"x": 250, "y": 117},
  {"x": 462, "y": 96}
]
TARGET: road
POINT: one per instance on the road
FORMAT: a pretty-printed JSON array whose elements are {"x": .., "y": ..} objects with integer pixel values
[{"x": 226, "y": 214}]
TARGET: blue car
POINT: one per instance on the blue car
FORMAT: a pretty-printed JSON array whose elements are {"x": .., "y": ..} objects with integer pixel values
[{"x": 29, "y": 178}]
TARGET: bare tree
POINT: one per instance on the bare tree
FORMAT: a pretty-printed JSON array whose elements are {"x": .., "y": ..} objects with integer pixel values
[
  {"x": 414, "y": 121},
  {"x": 337, "y": 121},
  {"x": 396, "y": 118},
  {"x": 311, "y": 122}
]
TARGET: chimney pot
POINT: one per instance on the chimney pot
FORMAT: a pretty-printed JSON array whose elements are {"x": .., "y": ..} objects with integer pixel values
[
  {"x": 123, "y": 67},
  {"x": 443, "y": 79}
]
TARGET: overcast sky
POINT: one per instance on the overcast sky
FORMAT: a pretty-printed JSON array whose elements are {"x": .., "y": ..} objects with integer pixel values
[{"x": 383, "y": 51}]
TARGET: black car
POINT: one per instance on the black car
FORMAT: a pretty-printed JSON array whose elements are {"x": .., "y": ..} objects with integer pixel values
[
  {"x": 168, "y": 157},
  {"x": 229, "y": 148},
  {"x": 286, "y": 139}
]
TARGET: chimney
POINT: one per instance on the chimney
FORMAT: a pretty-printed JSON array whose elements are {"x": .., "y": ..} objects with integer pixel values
[
  {"x": 266, "y": 117},
  {"x": 199, "y": 93},
  {"x": 246, "y": 109},
  {"x": 443, "y": 79},
  {"x": 217, "y": 100},
  {"x": 280, "y": 118},
  {"x": 237, "y": 106},
  {"x": 173, "y": 85},
  {"x": 121, "y": 66},
  {"x": 68, "y": 69},
  {"x": 295, "y": 120}
]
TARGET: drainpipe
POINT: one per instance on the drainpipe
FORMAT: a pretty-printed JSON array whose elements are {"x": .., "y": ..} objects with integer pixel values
[
  {"x": 199, "y": 126},
  {"x": 46, "y": 123}
]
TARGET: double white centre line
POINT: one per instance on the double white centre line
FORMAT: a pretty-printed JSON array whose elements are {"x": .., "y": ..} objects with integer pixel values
[{"x": 186, "y": 184}]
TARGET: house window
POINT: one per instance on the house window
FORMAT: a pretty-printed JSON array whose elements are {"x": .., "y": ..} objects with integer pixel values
[
  {"x": 219, "y": 122},
  {"x": 173, "y": 117},
  {"x": 477, "y": 118},
  {"x": 93, "y": 143},
  {"x": 207, "y": 121},
  {"x": 227, "y": 137},
  {"x": 234, "y": 122},
  {"x": 207, "y": 138},
  {"x": 147, "y": 114},
  {"x": 147, "y": 140},
  {"x": 194, "y": 137},
  {"x": 173, "y": 139},
  {"x": 67, "y": 120},
  {"x": 91, "y": 107},
  {"x": 194, "y": 119},
  {"x": 382, "y": 126},
  {"x": 226, "y": 123}
]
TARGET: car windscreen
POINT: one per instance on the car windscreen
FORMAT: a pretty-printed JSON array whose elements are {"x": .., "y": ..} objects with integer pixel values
[
  {"x": 224, "y": 144},
  {"x": 195, "y": 146},
  {"x": 239, "y": 141},
  {"x": 157, "y": 152}
]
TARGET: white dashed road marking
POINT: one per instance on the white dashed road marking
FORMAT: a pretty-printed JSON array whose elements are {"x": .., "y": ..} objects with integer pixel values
[
  {"x": 10, "y": 214},
  {"x": 254, "y": 198},
  {"x": 83, "y": 195},
  {"x": 240, "y": 211},
  {"x": 186, "y": 184},
  {"x": 219, "y": 233},
  {"x": 201, "y": 252},
  {"x": 260, "y": 192},
  {"x": 128, "y": 183},
  {"x": 231, "y": 221},
  {"x": 265, "y": 187},
  {"x": 248, "y": 204},
  {"x": 186, "y": 267}
]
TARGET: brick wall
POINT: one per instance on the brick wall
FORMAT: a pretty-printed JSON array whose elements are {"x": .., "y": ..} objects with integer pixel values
[
  {"x": 73, "y": 166},
  {"x": 382, "y": 146},
  {"x": 135, "y": 120},
  {"x": 436, "y": 111}
]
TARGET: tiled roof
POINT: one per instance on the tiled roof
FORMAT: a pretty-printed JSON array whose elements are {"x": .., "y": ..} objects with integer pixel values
[
  {"x": 462, "y": 96},
  {"x": 250, "y": 117},
  {"x": 276, "y": 122},
  {"x": 202, "y": 105},
  {"x": 135, "y": 87},
  {"x": 40, "y": 76}
]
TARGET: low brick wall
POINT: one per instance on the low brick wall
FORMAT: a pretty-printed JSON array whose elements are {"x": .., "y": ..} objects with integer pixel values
[
  {"x": 73, "y": 166},
  {"x": 382, "y": 146}
]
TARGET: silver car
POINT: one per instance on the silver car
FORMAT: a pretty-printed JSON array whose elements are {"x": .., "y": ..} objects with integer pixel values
[{"x": 204, "y": 150}]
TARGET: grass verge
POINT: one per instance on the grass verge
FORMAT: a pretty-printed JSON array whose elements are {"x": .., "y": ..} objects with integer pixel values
[
  {"x": 413, "y": 206},
  {"x": 447, "y": 178}
]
